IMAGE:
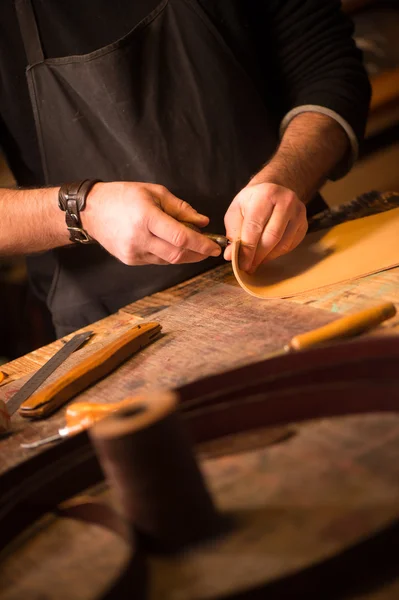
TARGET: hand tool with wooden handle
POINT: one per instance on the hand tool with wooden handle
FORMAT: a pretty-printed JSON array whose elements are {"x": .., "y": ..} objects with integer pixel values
[
  {"x": 46, "y": 370},
  {"x": 344, "y": 327},
  {"x": 82, "y": 415},
  {"x": 88, "y": 371}
]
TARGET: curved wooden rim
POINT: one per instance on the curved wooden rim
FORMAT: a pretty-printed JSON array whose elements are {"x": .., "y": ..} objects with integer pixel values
[{"x": 347, "y": 378}]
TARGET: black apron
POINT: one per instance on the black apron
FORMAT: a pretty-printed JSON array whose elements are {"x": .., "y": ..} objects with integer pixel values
[{"x": 168, "y": 103}]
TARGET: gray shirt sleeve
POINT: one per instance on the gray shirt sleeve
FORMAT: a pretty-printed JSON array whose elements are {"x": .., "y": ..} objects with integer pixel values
[{"x": 350, "y": 158}]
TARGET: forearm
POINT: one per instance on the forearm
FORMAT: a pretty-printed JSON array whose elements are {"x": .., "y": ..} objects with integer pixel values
[
  {"x": 312, "y": 146},
  {"x": 138, "y": 223},
  {"x": 315, "y": 63},
  {"x": 30, "y": 221}
]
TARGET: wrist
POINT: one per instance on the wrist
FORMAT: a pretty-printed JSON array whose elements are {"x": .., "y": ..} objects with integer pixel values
[
  {"x": 279, "y": 175},
  {"x": 312, "y": 146},
  {"x": 93, "y": 201},
  {"x": 72, "y": 199},
  {"x": 54, "y": 216}
]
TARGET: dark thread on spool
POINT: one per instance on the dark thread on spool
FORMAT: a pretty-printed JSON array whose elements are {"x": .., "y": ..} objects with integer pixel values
[
  {"x": 130, "y": 412},
  {"x": 157, "y": 479}
]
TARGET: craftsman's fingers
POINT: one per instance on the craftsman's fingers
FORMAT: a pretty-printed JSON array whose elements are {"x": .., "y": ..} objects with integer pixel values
[
  {"x": 246, "y": 219},
  {"x": 182, "y": 245},
  {"x": 179, "y": 209},
  {"x": 171, "y": 254},
  {"x": 275, "y": 240},
  {"x": 234, "y": 218},
  {"x": 181, "y": 237},
  {"x": 233, "y": 221},
  {"x": 149, "y": 259},
  {"x": 290, "y": 240},
  {"x": 138, "y": 212},
  {"x": 293, "y": 235},
  {"x": 274, "y": 232},
  {"x": 272, "y": 220},
  {"x": 285, "y": 246},
  {"x": 228, "y": 252}
]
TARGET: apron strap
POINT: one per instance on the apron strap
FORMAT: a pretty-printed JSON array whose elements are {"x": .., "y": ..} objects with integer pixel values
[{"x": 29, "y": 31}]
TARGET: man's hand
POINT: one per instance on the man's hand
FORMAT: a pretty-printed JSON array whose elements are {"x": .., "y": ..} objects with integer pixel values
[
  {"x": 269, "y": 214},
  {"x": 139, "y": 224},
  {"x": 270, "y": 220}
]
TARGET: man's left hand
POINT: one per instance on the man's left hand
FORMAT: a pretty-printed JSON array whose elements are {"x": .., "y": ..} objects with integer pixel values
[{"x": 269, "y": 219}]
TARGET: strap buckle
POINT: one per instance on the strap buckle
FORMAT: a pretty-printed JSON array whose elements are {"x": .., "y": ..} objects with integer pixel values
[
  {"x": 84, "y": 239},
  {"x": 72, "y": 199}
]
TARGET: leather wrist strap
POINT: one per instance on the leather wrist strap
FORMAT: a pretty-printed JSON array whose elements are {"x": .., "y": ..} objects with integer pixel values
[{"x": 72, "y": 199}]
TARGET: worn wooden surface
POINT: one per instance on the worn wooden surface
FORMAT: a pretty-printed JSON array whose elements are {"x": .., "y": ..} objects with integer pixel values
[
  {"x": 212, "y": 331},
  {"x": 295, "y": 503},
  {"x": 55, "y": 554},
  {"x": 341, "y": 298},
  {"x": 209, "y": 325},
  {"x": 328, "y": 485}
]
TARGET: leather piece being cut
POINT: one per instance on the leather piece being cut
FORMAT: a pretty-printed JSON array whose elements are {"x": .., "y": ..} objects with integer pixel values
[{"x": 336, "y": 255}]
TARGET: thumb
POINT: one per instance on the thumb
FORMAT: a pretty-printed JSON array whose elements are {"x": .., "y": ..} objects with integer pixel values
[
  {"x": 181, "y": 210},
  {"x": 233, "y": 222}
]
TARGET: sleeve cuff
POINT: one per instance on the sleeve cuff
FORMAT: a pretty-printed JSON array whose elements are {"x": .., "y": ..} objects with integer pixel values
[{"x": 350, "y": 158}]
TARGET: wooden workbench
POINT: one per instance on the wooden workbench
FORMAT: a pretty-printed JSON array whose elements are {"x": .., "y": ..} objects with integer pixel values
[
  {"x": 349, "y": 465},
  {"x": 338, "y": 299}
]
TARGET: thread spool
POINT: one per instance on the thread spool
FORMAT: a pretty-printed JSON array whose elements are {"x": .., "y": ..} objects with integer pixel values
[{"x": 147, "y": 457}]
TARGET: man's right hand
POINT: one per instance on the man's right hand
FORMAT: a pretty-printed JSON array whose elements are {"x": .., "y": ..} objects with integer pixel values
[{"x": 139, "y": 224}]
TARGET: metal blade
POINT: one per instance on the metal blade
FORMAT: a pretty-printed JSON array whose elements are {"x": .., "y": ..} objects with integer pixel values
[
  {"x": 49, "y": 440},
  {"x": 45, "y": 371}
]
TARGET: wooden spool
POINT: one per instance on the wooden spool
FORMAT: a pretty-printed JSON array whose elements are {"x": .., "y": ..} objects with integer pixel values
[{"x": 147, "y": 457}]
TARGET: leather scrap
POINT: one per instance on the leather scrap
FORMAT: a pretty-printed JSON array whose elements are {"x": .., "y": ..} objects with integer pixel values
[{"x": 345, "y": 252}]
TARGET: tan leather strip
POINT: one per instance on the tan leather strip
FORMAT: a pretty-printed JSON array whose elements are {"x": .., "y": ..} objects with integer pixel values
[{"x": 344, "y": 252}]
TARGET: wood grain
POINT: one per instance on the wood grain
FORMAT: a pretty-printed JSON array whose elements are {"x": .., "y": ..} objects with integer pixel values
[
  {"x": 209, "y": 332},
  {"x": 339, "y": 298},
  {"x": 310, "y": 497},
  {"x": 32, "y": 361}
]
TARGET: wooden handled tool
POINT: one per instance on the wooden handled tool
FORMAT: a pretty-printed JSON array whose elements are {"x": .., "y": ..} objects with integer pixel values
[
  {"x": 40, "y": 376},
  {"x": 82, "y": 415},
  {"x": 47, "y": 399},
  {"x": 4, "y": 378},
  {"x": 345, "y": 327}
]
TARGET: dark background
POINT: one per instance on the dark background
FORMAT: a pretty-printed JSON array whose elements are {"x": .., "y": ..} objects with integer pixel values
[{"x": 25, "y": 323}]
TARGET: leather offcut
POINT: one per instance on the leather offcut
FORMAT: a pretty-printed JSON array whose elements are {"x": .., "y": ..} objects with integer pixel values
[{"x": 342, "y": 253}]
